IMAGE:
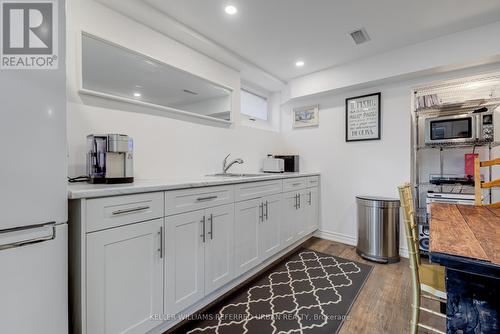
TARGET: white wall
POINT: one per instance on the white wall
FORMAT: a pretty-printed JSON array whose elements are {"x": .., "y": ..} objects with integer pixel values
[
  {"x": 358, "y": 168},
  {"x": 164, "y": 147}
]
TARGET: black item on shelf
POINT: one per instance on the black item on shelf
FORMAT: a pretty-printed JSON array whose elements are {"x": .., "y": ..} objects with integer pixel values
[
  {"x": 464, "y": 180},
  {"x": 291, "y": 163},
  {"x": 477, "y": 111}
]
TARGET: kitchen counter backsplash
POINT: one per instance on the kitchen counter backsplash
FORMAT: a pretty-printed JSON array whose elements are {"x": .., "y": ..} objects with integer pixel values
[{"x": 86, "y": 190}]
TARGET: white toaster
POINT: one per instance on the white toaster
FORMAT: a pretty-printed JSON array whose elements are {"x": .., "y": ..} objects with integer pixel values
[{"x": 273, "y": 165}]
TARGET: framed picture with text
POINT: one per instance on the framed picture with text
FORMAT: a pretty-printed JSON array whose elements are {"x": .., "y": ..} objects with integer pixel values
[{"x": 362, "y": 117}]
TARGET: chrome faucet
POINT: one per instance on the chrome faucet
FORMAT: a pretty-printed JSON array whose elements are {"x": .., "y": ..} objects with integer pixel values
[{"x": 226, "y": 166}]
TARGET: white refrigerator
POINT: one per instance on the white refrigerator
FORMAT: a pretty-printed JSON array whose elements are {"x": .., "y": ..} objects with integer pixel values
[{"x": 33, "y": 198}]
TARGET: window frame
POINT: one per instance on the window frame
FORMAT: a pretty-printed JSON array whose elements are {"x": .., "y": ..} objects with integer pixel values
[{"x": 266, "y": 97}]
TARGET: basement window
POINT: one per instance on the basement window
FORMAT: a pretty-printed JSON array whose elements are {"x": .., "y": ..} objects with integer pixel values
[{"x": 254, "y": 106}]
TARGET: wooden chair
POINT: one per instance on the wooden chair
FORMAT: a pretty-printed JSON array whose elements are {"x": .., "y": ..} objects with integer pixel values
[
  {"x": 429, "y": 278},
  {"x": 479, "y": 186}
]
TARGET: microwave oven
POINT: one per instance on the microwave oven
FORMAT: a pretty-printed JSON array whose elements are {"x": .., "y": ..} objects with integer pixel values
[
  {"x": 291, "y": 163},
  {"x": 459, "y": 129}
]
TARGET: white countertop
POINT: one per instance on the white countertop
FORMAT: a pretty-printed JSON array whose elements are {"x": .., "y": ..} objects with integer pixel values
[{"x": 86, "y": 190}]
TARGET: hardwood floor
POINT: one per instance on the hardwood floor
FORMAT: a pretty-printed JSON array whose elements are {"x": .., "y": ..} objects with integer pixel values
[{"x": 383, "y": 305}]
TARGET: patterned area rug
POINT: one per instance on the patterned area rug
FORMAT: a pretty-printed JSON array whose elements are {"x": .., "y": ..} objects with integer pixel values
[{"x": 309, "y": 292}]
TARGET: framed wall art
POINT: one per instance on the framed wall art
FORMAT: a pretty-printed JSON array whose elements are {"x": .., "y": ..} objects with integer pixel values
[
  {"x": 362, "y": 117},
  {"x": 306, "y": 116}
]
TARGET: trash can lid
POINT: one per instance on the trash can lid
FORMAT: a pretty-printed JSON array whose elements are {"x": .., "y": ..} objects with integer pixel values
[
  {"x": 377, "y": 201},
  {"x": 377, "y": 198}
]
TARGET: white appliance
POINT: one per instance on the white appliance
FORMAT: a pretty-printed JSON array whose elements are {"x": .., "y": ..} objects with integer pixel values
[
  {"x": 273, "y": 165},
  {"x": 451, "y": 198},
  {"x": 33, "y": 198},
  {"x": 436, "y": 197}
]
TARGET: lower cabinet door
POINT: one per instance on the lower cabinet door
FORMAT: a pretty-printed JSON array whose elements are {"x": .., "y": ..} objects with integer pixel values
[
  {"x": 248, "y": 216},
  {"x": 312, "y": 204},
  {"x": 302, "y": 216},
  {"x": 185, "y": 238},
  {"x": 269, "y": 227},
  {"x": 125, "y": 278},
  {"x": 219, "y": 255},
  {"x": 289, "y": 218}
]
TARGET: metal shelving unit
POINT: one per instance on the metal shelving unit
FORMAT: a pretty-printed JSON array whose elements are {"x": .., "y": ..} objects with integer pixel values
[{"x": 454, "y": 97}]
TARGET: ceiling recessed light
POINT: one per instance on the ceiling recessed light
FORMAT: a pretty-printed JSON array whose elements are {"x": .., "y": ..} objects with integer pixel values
[
  {"x": 299, "y": 63},
  {"x": 137, "y": 94},
  {"x": 231, "y": 10}
]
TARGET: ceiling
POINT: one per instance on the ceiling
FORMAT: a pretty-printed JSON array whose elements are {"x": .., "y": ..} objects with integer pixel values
[{"x": 274, "y": 34}]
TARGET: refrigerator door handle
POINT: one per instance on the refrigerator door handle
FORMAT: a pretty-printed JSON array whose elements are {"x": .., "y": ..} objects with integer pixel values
[{"x": 31, "y": 241}]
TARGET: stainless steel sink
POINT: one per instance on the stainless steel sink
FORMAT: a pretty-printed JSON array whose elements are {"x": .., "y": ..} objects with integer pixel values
[{"x": 237, "y": 175}]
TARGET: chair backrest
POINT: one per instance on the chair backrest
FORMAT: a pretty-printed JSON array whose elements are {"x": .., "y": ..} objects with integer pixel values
[
  {"x": 411, "y": 228},
  {"x": 478, "y": 185}
]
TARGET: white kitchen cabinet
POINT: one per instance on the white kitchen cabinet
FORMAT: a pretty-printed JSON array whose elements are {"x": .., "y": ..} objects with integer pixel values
[
  {"x": 312, "y": 204},
  {"x": 187, "y": 200},
  {"x": 108, "y": 212},
  {"x": 256, "y": 231},
  {"x": 289, "y": 219},
  {"x": 294, "y": 184},
  {"x": 125, "y": 278},
  {"x": 125, "y": 275},
  {"x": 248, "y": 216},
  {"x": 185, "y": 236},
  {"x": 301, "y": 214},
  {"x": 199, "y": 255},
  {"x": 269, "y": 228},
  {"x": 251, "y": 190},
  {"x": 219, "y": 245}
]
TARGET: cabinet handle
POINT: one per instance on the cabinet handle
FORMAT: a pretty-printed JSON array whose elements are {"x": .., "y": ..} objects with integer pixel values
[
  {"x": 160, "y": 233},
  {"x": 261, "y": 212},
  {"x": 310, "y": 198},
  {"x": 123, "y": 211},
  {"x": 267, "y": 212},
  {"x": 211, "y": 220},
  {"x": 208, "y": 198},
  {"x": 203, "y": 229},
  {"x": 298, "y": 200},
  {"x": 296, "y": 184},
  {"x": 295, "y": 205}
]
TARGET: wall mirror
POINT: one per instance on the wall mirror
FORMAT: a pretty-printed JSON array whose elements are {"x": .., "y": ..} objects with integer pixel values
[{"x": 112, "y": 71}]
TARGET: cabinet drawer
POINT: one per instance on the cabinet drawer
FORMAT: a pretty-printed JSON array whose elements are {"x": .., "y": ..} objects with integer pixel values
[
  {"x": 185, "y": 200},
  {"x": 294, "y": 184},
  {"x": 250, "y": 190},
  {"x": 106, "y": 212},
  {"x": 312, "y": 181}
]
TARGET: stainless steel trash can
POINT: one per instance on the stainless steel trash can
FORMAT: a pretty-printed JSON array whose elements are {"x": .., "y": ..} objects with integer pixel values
[{"x": 378, "y": 228}]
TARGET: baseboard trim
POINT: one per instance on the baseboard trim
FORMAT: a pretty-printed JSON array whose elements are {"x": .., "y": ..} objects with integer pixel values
[
  {"x": 335, "y": 236},
  {"x": 349, "y": 240}
]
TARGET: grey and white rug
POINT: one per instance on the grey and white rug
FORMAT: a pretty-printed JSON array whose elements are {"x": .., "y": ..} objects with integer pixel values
[{"x": 308, "y": 292}]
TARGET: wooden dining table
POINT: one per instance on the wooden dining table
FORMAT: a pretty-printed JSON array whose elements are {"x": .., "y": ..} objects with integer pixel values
[{"x": 466, "y": 240}]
